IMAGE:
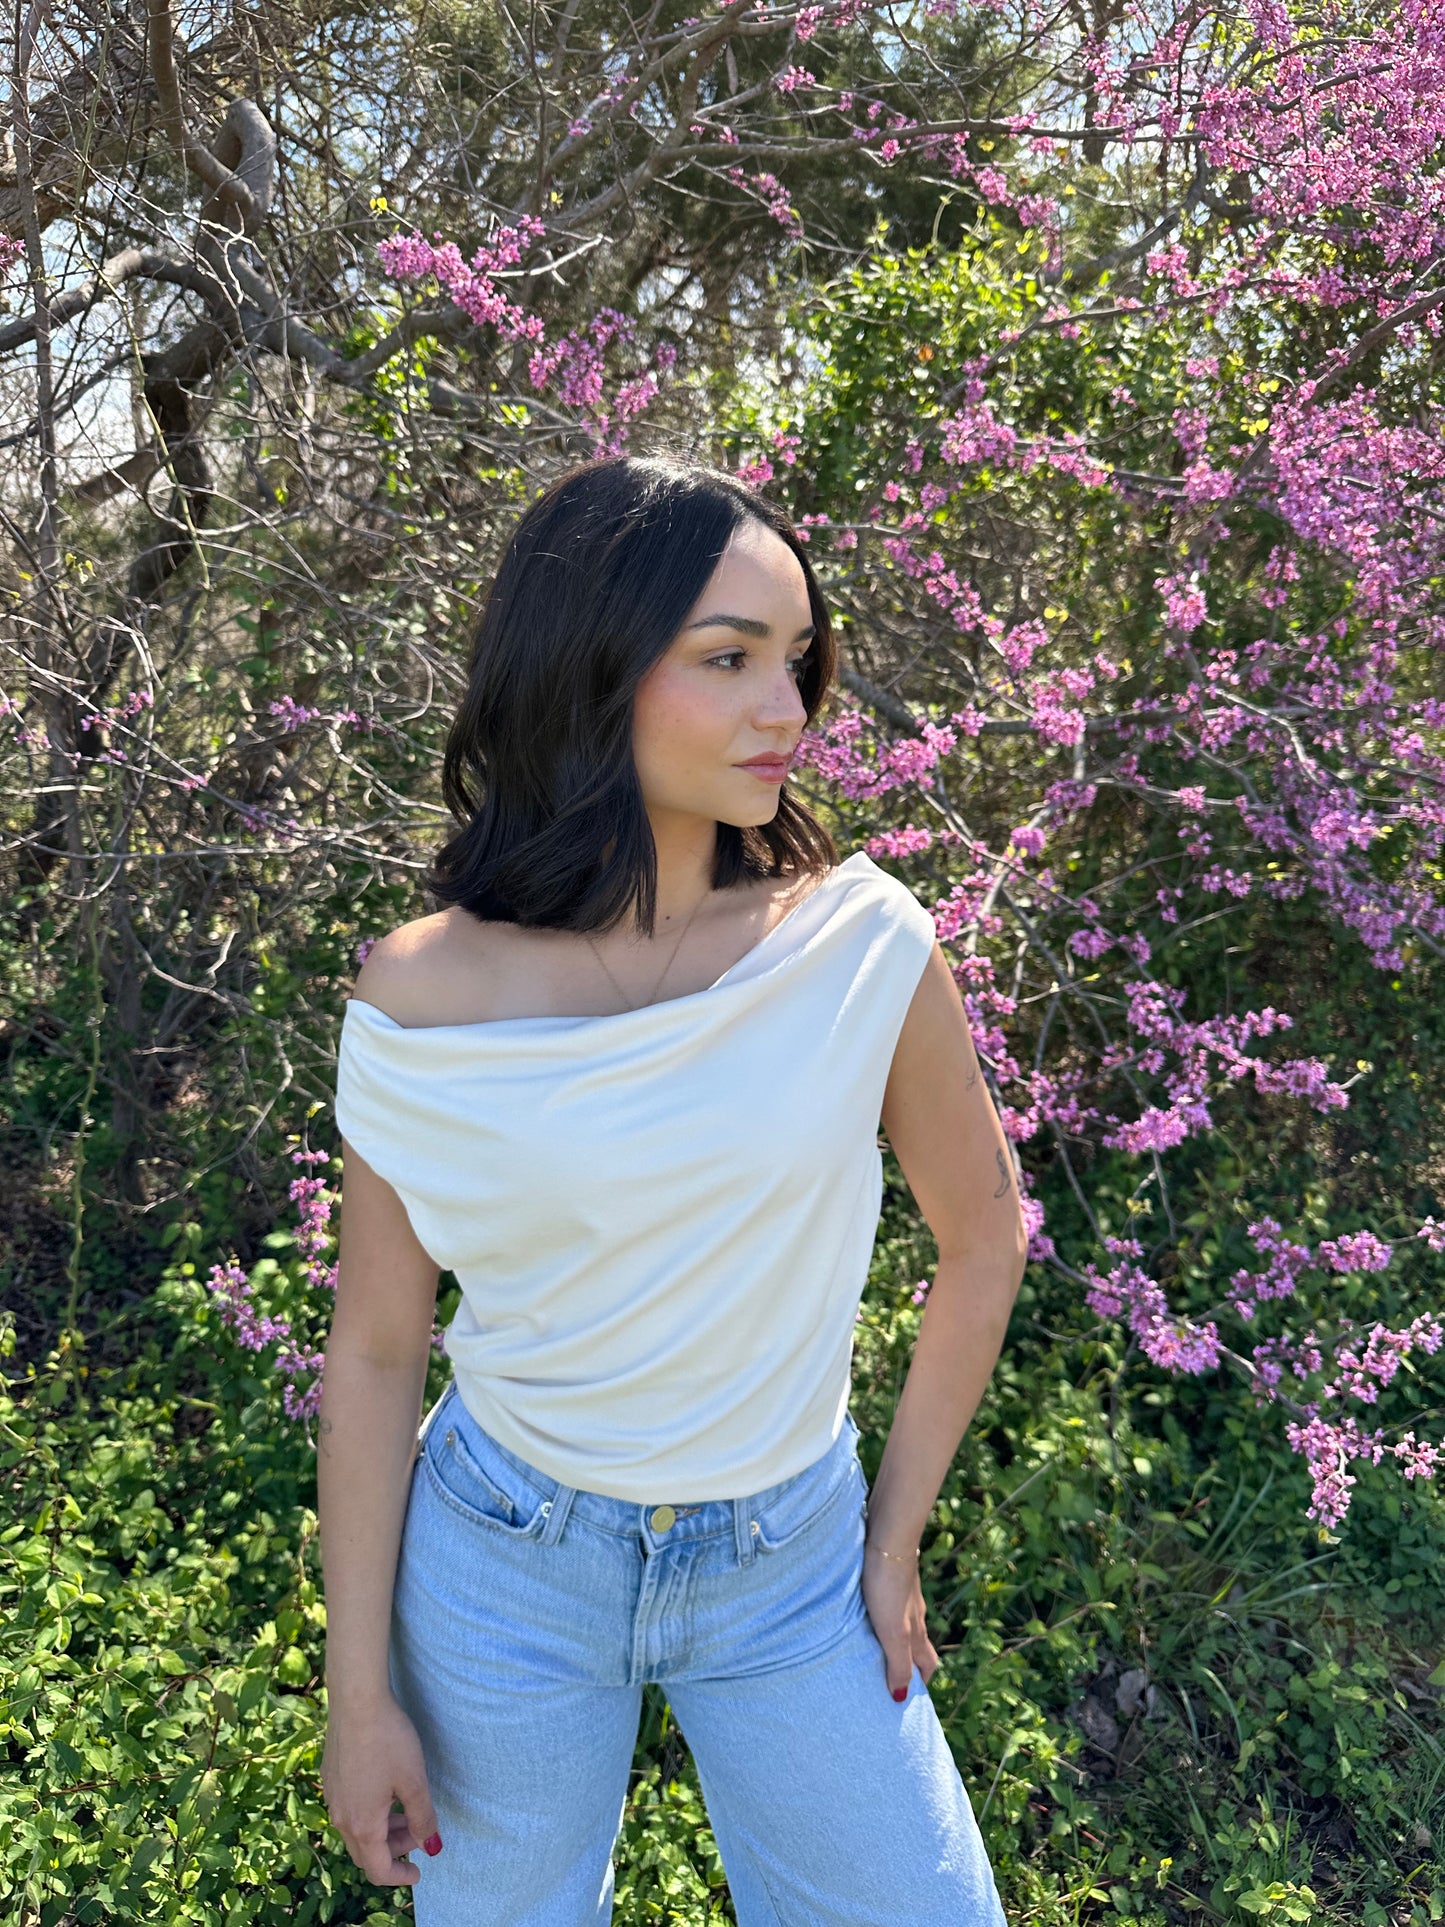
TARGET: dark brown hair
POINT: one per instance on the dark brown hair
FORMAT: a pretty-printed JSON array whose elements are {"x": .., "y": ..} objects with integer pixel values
[{"x": 596, "y": 581}]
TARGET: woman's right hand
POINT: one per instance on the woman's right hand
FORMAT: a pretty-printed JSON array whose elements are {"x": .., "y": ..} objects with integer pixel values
[{"x": 371, "y": 1758}]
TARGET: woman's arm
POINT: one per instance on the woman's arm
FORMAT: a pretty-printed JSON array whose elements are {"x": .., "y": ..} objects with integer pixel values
[
  {"x": 951, "y": 1148},
  {"x": 372, "y": 1389},
  {"x": 371, "y": 1397}
]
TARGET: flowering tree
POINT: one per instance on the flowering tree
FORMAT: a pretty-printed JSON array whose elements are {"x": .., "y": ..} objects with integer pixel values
[{"x": 1129, "y": 499}]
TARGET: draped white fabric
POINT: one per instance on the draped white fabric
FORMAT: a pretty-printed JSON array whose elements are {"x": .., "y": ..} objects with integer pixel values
[{"x": 661, "y": 1221}]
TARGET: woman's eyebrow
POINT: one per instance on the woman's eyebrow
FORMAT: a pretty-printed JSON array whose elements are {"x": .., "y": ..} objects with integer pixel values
[{"x": 749, "y": 625}]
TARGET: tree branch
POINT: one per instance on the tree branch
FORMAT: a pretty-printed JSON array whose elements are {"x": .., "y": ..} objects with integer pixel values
[
  {"x": 239, "y": 133},
  {"x": 152, "y": 263}
]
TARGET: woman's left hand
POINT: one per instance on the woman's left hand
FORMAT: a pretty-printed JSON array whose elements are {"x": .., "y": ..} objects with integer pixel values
[{"x": 894, "y": 1599}]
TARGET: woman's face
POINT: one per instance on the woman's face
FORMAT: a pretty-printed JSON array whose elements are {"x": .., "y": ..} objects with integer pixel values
[{"x": 726, "y": 690}]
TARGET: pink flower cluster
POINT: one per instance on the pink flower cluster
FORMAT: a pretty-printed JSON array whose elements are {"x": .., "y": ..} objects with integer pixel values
[
  {"x": 1329, "y": 1448},
  {"x": 1178, "y": 1344},
  {"x": 256, "y": 1330},
  {"x": 572, "y": 366},
  {"x": 1348, "y": 1365},
  {"x": 296, "y": 716},
  {"x": 234, "y": 1291},
  {"x": 120, "y": 712},
  {"x": 471, "y": 285},
  {"x": 1185, "y": 606}
]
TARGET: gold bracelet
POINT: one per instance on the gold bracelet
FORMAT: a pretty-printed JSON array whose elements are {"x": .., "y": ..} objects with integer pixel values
[{"x": 901, "y": 1557}]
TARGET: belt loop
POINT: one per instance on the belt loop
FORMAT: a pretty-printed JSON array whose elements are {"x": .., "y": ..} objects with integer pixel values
[
  {"x": 743, "y": 1530},
  {"x": 557, "y": 1508}
]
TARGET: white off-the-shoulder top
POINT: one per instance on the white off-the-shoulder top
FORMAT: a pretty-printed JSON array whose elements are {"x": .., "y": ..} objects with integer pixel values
[{"x": 661, "y": 1221}]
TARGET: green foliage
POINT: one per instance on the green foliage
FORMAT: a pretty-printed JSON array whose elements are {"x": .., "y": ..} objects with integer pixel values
[
  {"x": 160, "y": 1651},
  {"x": 161, "y": 1693},
  {"x": 1290, "y": 1753},
  {"x": 668, "y": 1869},
  {"x": 162, "y": 1648}
]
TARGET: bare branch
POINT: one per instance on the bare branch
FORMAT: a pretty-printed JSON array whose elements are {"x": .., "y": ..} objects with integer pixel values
[
  {"x": 151, "y": 263},
  {"x": 245, "y": 142}
]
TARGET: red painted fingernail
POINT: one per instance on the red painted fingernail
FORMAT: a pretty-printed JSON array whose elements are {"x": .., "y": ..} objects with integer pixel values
[
  {"x": 901, "y": 1693},
  {"x": 433, "y": 1846}
]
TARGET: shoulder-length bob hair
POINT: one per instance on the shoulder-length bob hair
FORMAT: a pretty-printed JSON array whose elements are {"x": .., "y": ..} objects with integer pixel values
[{"x": 595, "y": 583}]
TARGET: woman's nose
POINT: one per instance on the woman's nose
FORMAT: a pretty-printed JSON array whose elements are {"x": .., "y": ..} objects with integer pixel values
[{"x": 783, "y": 703}]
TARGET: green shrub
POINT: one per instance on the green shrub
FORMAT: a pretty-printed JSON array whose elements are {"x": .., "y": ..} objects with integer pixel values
[{"x": 162, "y": 1647}]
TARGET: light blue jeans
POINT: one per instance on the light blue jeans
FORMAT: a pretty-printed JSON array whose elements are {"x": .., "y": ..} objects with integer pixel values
[{"x": 528, "y": 1614}]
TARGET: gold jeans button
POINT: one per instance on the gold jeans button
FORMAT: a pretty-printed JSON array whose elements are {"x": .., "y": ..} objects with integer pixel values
[{"x": 662, "y": 1517}]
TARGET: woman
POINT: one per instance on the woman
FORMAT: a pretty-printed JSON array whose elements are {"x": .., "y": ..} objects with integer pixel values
[{"x": 626, "y": 1085}]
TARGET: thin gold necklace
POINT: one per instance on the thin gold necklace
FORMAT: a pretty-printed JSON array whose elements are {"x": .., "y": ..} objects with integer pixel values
[{"x": 652, "y": 995}]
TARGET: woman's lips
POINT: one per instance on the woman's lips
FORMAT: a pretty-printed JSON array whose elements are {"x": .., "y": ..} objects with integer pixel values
[{"x": 770, "y": 772}]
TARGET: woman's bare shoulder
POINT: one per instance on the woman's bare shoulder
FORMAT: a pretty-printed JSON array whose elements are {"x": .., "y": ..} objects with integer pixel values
[{"x": 417, "y": 970}]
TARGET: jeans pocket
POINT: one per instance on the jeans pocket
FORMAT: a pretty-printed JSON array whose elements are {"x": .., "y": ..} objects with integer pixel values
[
  {"x": 810, "y": 1498},
  {"x": 473, "y": 1478}
]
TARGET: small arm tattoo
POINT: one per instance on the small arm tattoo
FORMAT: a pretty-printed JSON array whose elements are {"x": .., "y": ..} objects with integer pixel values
[
  {"x": 972, "y": 1078},
  {"x": 1003, "y": 1176}
]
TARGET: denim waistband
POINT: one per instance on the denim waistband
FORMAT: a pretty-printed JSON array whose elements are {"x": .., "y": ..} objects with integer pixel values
[{"x": 771, "y": 1515}]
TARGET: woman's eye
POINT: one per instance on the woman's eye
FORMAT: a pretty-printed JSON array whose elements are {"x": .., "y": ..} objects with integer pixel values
[{"x": 732, "y": 656}]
